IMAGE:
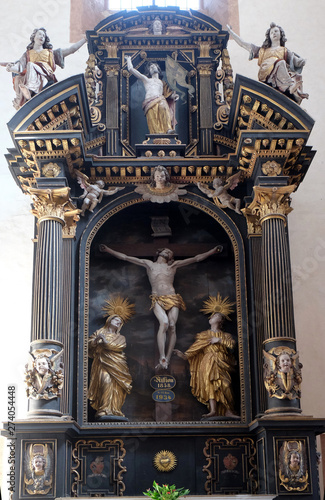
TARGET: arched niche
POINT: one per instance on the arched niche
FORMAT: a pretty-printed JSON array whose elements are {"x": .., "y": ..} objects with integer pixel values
[{"x": 197, "y": 225}]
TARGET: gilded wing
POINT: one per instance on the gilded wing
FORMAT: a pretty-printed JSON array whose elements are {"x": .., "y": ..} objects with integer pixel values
[{"x": 234, "y": 180}]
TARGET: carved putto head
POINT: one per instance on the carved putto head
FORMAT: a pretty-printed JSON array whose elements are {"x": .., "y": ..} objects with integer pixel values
[{"x": 160, "y": 176}]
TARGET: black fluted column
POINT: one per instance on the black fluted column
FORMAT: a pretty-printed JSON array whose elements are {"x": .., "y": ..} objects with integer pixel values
[{"x": 271, "y": 206}]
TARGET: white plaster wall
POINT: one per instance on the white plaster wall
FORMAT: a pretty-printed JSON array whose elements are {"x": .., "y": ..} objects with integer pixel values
[{"x": 304, "y": 23}]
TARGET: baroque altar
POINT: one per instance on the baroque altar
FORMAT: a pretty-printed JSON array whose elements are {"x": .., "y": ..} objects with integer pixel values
[{"x": 152, "y": 161}]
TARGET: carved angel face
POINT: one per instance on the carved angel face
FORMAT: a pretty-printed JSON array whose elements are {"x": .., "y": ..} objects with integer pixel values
[
  {"x": 275, "y": 34},
  {"x": 40, "y": 37},
  {"x": 285, "y": 362},
  {"x": 42, "y": 366},
  {"x": 38, "y": 463}
]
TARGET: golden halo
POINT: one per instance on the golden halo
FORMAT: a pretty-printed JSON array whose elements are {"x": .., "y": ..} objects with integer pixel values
[
  {"x": 218, "y": 305},
  {"x": 165, "y": 461},
  {"x": 117, "y": 306}
]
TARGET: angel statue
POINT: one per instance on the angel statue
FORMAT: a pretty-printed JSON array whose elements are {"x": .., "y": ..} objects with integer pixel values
[
  {"x": 282, "y": 373},
  {"x": 211, "y": 361},
  {"x": 219, "y": 192},
  {"x": 36, "y": 68},
  {"x": 159, "y": 102},
  {"x": 110, "y": 379},
  {"x": 44, "y": 374},
  {"x": 279, "y": 67},
  {"x": 93, "y": 193},
  {"x": 160, "y": 189},
  {"x": 38, "y": 467},
  {"x": 293, "y": 472}
]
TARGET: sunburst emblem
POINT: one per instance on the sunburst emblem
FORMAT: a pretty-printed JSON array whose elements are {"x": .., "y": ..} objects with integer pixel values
[
  {"x": 165, "y": 461},
  {"x": 119, "y": 307},
  {"x": 218, "y": 305}
]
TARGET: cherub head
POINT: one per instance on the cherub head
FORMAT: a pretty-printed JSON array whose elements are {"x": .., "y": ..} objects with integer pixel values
[
  {"x": 42, "y": 365},
  {"x": 157, "y": 26},
  {"x": 100, "y": 184},
  {"x": 217, "y": 182},
  {"x": 284, "y": 362},
  {"x": 294, "y": 461},
  {"x": 160, "y": 177},
  {"x": 38, "y": 464}
]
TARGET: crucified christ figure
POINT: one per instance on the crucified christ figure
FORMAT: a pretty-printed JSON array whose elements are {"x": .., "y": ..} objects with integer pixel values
[{"x": 166, "y": 303}]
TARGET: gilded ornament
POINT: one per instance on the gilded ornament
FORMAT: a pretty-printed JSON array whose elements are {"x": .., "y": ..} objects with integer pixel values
[
  {"x": 57, "y": 142},
  {"x": 75, "y": 141},
  {"x": 281, "y": 142},
  {"x": 247, "y": 99},
  {"x": 172, "y": 153},
  {"x": 145, "y": 169},
  {"x": 300, "y": 142},
  {"x": 148, "y": 154},
  {"x": 161, "y": 140},
  {"x": 191, "y": 169},
  {"x": 51, "y": 170},
  {"x": 293, "y": 473},
  {"x": 130, "y": 170},
  {"x": 44, "y": 374},
  {"x": 271, "y": 168},
  {"x": 165, "y": 461},
  {"x": 161, "y": 153},
  {"x": 282, "y": 373},
  {"x": 206, "y": 169},
  {"x": 215, "y": 305},
  {"x": 39, "y": 143},
  {"x": 38, "y": 469},
  {"x": 176, "y": 169},
  {"x": 51, "y": 204}
]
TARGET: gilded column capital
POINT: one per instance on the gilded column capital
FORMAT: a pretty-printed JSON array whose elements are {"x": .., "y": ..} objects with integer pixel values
[
  {"x": 204, "y": 69},
  {"x": 254, "y": 227},
  {"x": 112, "y": 70},
  {"x": 70, "y": 218},
  {"x": 52, "y": 204},
  {"x": 271, "y": 202}
]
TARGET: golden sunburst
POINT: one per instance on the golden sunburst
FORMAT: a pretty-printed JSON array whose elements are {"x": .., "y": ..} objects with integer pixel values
[
  {"x": 165, "y": 461},
  {"x": 119, "y": 307},
  {"x": 218, "y": 305}
]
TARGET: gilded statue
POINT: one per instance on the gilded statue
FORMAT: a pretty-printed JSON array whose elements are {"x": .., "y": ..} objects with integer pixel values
[
  {"x": 282, "y": 373},
  {"x": 160, "y": 189},
  {"x": 212, "y": 361},
  {"x": 220, "y": 194},
  {"x": 44, "y": 374},
  {"x": 159, "y": 102},
  {"x": 165, "y": 302},
  {"x": 36, "y": 68},
  {"x": 279, "y": 67},
  {"x": 38, "y": 473},
  {"x": 93, "y": 193},
  {"x": 110, "y": 379}
]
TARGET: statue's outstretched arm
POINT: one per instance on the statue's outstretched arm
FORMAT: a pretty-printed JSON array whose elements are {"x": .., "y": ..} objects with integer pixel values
[
  {"x": 197, "y": 258},
  {"x": 73, "y": 48},
  {"x": 134, "y": 71},
  {"x": 240, "y": 41},
  {"x": 123, "y": 256}
]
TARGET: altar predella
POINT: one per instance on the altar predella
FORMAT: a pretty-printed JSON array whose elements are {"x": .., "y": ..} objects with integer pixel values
[{"x": 161, "y": 189}]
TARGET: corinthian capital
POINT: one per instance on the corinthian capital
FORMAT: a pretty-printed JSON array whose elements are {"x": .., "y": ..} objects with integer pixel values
[
  {"x": 270, "y": 202},
  {"x": 51, "y": 204}
]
